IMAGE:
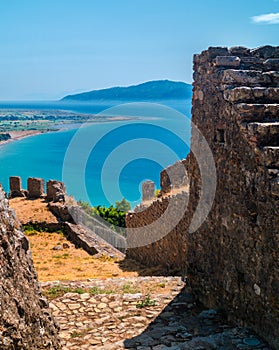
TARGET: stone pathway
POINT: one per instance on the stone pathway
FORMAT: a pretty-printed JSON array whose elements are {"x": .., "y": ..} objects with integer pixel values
[{"x": 143, "y": 313}]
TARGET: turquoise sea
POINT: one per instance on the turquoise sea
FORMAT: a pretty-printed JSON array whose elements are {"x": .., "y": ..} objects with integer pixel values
[{"x": 102, "y": 162}]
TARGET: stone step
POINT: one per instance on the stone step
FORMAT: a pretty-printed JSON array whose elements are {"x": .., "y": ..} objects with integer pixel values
[
  {"x": 247, "y": 63},
  {"x": 272, "y": 63},
  {"x": 271, "y": 156},
  {"x": 257, "y": 112},
  {"x": 264, "y": 134},
  {"x": 252, "y": 95},
  {"x": 241, "y": 77}
]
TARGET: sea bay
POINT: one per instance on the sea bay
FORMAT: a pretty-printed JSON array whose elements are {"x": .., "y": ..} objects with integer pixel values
[{"x": 102, "y": 162}]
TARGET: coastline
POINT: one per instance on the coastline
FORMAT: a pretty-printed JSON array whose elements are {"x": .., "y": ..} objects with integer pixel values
[{"x": 19, "y": 135}]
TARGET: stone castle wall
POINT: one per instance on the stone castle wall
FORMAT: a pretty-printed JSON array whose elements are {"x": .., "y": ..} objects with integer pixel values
[
  {"x": 16, "y": 187},
  {"x": 173, "y": 177},
  {"x": 25, "y": 319},
  {"x": 36, "y": 187},
  {"x": 231, "y": 260},
  {"x": 55, "y": 190}
]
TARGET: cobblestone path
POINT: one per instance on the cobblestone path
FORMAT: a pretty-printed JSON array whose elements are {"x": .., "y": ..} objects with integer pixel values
[{"x": 142, "y": 313}]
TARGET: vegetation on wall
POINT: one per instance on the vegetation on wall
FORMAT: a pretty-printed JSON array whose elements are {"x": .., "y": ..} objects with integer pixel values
[{"x": 114, "y": 215}]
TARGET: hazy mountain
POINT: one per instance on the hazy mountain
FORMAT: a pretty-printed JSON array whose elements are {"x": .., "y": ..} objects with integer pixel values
[{"x": 152, "y": 90}]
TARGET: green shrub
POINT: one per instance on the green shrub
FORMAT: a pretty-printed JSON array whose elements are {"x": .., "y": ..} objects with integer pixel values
[
  {"x": 123, "y": 205},
  {"x": 114, "y": 215}
]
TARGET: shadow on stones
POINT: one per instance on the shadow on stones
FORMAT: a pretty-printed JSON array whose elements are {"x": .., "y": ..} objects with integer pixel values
[
  {"x": 130, "y": 265},
  {"x": 185, "y": 324}
]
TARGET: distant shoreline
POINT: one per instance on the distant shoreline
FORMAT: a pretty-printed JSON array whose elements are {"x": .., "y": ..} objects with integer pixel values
[{"x": 19, "y": 135}]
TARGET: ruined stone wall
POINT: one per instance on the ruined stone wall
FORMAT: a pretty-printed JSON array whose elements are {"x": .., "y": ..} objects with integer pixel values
[
  {"x": 35, "y": 187},
  {"x": 232, "y": 259},
  {"x": 25, "y": 320},
  {"x": 148, "y": 191},
  {"x": 16, "y": 187},
  {"x": 56, "y": 191},
  {"x": 173, "y": 177},
  {"x": 168, "y": 246}
]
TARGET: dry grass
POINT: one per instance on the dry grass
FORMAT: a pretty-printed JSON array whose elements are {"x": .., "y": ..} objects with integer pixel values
[
  {"x": 32, "y": 210},
  {"x": 70, "y": 263}
]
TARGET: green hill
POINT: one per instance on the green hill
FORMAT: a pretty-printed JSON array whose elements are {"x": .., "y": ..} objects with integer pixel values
[{"x": 152, "y": 90}]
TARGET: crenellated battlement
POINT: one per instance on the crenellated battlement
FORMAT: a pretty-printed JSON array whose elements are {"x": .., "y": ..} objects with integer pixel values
[{"x": 55, "y": 190}]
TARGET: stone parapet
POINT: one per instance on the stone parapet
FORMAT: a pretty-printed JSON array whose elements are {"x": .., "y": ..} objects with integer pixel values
[
  {"x": 173, "y": 177},
  {"x": 56, "y": 191},
  {"x": 148, "y": 191},
  {"x": 35, "y": 187},
  {"x": 16, "y": 187}
]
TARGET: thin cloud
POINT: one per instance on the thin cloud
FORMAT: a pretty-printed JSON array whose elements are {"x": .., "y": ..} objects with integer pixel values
[{"x": 269, "y": 18}]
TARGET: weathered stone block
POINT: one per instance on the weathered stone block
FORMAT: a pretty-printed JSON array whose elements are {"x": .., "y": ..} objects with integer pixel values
[
  {"x": 272, "y": 94},
  {"x": 264, "y": 133},
  {"x": 239, "y": 51},
  {"x": 245, "y": 77},
  {"x": 174, "y": 176},
  {"x": 148, "y": 190},
  {"x": 239, "y": 94},
  {"x": 227, "y": 61},
  {"x": 213, "y": 52},
  {"x": 271, "y": 156},
  {"x": 16, "y": 187},
  {"x": 60, "y": 211},
  {"x": 256, "y": 112},
  {"x": 56, "y": 191},
  {"x": 35, "y": 187},
  {"x": 272, "y": 63},
  {"x": 266, "y": 52}
]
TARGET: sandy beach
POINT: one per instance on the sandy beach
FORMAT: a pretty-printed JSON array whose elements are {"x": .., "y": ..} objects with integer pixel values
[{"x": 18, "y": 135}]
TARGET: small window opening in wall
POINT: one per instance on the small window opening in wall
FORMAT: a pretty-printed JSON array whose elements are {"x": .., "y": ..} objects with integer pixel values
[{"x": 220, "y": 136}]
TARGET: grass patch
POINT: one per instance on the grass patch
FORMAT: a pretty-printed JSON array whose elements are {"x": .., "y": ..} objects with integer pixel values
[
  {"x": 35, "y": 228},
  {"x": 29, "y": 231},
  {"x": 57, "y": 256},
  {"x": 128, "y": 288},
  {"x": 56, "y": 292},
  {"x": 75, "y": 334},
  {"x": 43, "y": 269},
  {"x": 97, "y": 290},
  {"x": 78, "y": 291},
  {"x": 146, "y": 302}
]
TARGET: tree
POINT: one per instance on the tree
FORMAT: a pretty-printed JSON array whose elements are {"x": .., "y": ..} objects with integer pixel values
[
  {"x": 123, "y": 205},
  {"x": 114, "y": 215}
]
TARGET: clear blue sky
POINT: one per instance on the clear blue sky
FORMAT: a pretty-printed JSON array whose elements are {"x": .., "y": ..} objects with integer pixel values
[{"x": 49, "y": 48}]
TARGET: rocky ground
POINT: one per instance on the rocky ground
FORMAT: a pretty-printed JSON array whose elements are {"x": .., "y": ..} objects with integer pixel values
[
  {"x": 33, "y": 210},
  {"x": 114, "y": 314},
  {"x": 128, "y": 311}
]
